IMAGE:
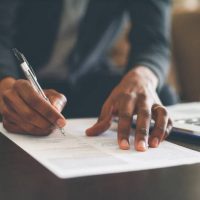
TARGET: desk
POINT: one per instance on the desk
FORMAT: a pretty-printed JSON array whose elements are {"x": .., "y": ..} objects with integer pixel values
[{"x": 23, "y": 178}]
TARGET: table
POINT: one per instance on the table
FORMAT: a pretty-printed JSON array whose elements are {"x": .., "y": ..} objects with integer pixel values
[{"x": 23, "y": 178}]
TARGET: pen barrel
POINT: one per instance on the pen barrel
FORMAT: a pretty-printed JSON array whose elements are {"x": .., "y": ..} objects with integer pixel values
[{"x": 33, "y": 80}]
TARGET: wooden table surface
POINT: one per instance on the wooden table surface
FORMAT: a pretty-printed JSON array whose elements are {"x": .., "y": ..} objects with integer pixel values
[{"x": 23, "y": 178}]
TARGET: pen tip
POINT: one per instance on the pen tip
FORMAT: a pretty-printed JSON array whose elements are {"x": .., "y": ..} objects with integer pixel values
[{"x": 62, "y": 131}]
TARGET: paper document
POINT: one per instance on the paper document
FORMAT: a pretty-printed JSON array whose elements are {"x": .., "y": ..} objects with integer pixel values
[
  {"x": 186, "y": 118},
  {"x": 76, "y": 155}
]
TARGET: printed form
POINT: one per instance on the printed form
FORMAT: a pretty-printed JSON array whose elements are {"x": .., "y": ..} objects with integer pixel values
[{"x": 76, "y": 155}]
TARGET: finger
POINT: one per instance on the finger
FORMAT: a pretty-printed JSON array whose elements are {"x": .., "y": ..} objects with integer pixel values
[
  {"x": 126, "y": 108},
  {"x": 160, "y": 115},
  {"x": 142, "y": 123},
  {"x": 58, "y": 100},
  {"x": 22, "y": 126},
  {"x": 10, "y": 116},
  {"x": 30, "y": 129},
  {"x": 26, "y": 129},
  {"x": 12, "y": 127},
  {"x": 34, "y": 100},
  {"x": 104, "y": 121},
  {"x": 18, "y": 109},
  {"x": 168, "y": 129}
]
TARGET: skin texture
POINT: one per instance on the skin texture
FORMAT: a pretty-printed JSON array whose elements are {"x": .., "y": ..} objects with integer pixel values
[
  {"x": 135, "y": 94},
  {"x": 26, "y": 112}
]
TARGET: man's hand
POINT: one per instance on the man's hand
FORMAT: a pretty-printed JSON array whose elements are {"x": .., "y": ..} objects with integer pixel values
[
  {"x": 135, "y": 94},
  {"x": 24, "y": 111}
]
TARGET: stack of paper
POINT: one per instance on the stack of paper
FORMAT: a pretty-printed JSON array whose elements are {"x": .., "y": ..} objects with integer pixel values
[{"x": 76, "y": 155}]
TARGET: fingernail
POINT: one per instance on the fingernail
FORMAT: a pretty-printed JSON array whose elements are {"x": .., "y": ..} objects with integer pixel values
[
  {"x": 60, "y": 123},
  {"x": 124, "y": 144},
  {"x": 155, "y": 142},
  {"x": 141, "y": 145}
]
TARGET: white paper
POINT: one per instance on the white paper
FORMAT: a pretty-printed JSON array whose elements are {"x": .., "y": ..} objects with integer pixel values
[
  {"x": 182, "y": 111},
  {"x": 76, "y": 155}
]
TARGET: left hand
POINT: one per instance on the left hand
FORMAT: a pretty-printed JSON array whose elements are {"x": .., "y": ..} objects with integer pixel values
[{"x": 135, "y": 94}]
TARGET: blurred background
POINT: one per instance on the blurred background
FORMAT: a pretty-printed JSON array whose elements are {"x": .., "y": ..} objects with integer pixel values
[
  {"x": 191, "y": 4},
  {"x": 185, "y": 63},
  {"x": 184, "y": 74}
]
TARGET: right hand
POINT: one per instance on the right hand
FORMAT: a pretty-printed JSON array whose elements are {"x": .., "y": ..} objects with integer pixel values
[{"x": 24, "y": 111}]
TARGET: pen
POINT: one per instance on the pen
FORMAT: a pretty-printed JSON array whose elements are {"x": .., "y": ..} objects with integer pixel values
[{"x": 30, "y": 75}]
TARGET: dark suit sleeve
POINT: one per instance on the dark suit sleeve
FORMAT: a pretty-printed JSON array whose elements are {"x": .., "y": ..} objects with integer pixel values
[
  {"x": 97, "y": 33},
  {"x": 8, "y": 66},
  {"x": 150, "y": 35}
]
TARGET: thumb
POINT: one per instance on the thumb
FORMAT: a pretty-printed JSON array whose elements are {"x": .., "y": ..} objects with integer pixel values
[
  {"x": 57, "y": 99},
  {"x": 103, "y": 122}
]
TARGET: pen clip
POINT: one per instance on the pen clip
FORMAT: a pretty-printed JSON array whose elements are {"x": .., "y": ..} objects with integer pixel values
[{"x": 32, "y": 71}]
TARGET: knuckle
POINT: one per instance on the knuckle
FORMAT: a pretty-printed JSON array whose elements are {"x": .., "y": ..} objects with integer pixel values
[
  {"x": 145, "y": 113},
  {"x": 6, "y": 113},
  {"x": 28, "y": 115},
  {"x": 20, "y": 84},
  {"x": 124, "y": 130},
  {"x": 125, "y": 115},
  {"x": 142, "y": 131},
  {"x": 7, "y": 96},
  {"x": 7, "y": 126},
  {"x": 142, "y": 96},
  {"x": 50, "y": 115},
  {"x": 33, "y": 101},
  {"x": 126, "y": 96}
]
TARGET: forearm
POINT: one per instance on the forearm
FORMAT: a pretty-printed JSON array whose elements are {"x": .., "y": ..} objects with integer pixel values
[{"x": 150, "y": 36}]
